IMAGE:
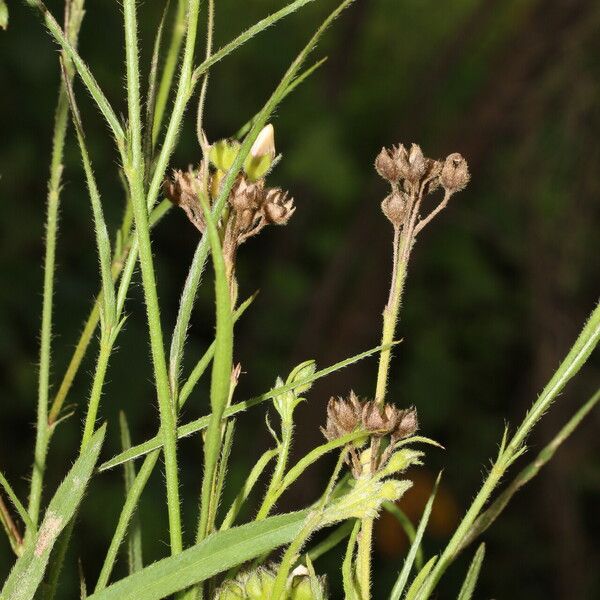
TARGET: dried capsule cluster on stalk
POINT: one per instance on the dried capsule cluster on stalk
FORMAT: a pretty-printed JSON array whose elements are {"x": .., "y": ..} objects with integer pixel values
[
  {"x": 412, "y": 176},
  {"x": 345, "y": 415},
  {"x": 251, "y": 205}
]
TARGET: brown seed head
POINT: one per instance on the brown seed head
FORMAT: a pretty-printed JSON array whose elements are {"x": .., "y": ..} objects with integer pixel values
[
  {"x": 246, "y": 195},
  {"x": 386, "y": 166},
  {"x": 379, "y": 421},
  {"x": 278, "y": 207},
  {"x": 455, "y": 173},
  {"x": 343, "y": 416},
  {"x": 182, "y": 189},
  {"x": 394, "y": 207},
  {"x": 407, "y": 424},
  {"x": 412, "y": 163}
]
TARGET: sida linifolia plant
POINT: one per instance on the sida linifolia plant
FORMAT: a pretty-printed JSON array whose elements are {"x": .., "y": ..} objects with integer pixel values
[{"x": 228, "y": 199}]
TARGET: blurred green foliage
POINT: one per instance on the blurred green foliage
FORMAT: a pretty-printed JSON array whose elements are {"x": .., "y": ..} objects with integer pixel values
[{"x": 497, "y": 288}]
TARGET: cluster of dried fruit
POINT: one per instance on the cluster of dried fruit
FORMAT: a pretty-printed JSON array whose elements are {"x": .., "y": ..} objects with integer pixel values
[
  {"x": 251, "y": 205},
  {"x": 412, "y": 176},
  {"x": 345, "y": 415}
]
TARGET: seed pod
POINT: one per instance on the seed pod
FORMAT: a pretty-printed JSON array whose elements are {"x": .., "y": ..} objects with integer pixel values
[
  {"x": 277, "y": 207},
  {"x": 412, "y": 164},
  {"x": 379, "y": 421},
  {"x": 386, "y": 166},
  {"x": 394, "y": 207},
  {"x": 343, "y": 416},
  {"x": 407, "y": 425},
  {"x": 455, "y": 173}
]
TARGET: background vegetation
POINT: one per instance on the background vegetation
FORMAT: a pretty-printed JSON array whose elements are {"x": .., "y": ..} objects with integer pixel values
[{"x": 496, "y": 293}]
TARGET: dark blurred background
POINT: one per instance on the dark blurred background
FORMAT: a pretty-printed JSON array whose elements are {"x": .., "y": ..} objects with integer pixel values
[{"x": 499, "y": 285}]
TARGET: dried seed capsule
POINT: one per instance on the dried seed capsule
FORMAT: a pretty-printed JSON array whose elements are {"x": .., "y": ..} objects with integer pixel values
[
  {"x": 343, "y": 416},
  {"x": 386, "y": 166},
  {"x": 394, "y": 207},
  {"x": 411, "y": 164},
  {"x": 379, "y": 420},
  {"x": 455, "y": 173},
  {"x": 277, "y": 207},
  {"x": 408, "y": 424}
]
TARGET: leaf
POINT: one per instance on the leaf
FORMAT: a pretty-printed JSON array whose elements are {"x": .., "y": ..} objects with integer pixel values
[
  {"x": 151, "y": 95},
  {"x": 16, "y": 503},
  {"x": 420, "y": 578},
  {"x": 217, "y": 553},
  {"x": 243, "y": 494},
  {"x": 410, "y": 558},
  {"x": 409, "y": 528},
  {"x": 486, "y": 518},
  {"x": 200, "y": 424},
  {"x": 468, "y": 586},
  {"x": 29, "y": 569}
]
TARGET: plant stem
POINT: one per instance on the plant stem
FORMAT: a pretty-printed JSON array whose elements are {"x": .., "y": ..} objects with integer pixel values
[
  {"x": 401, "y": 254},
  {"x": 135, "y": 174},
  {"x": 169, "y": 69},
  {"x": 61, "y": 120},
  {"x": 97, "y": 385},
  {"x": 575, "y": 359},
  {"x": 210, "y": 25}
]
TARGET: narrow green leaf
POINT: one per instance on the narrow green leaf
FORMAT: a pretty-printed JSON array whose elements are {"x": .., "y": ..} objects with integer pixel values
[
  {"x": 410, "y": 558},
  {"x": 16, "y": 503},
  {"x": 468, "y": 586},
  {"x": 102, "y": 238},
  {"x": 84, "y": 72},
  {"x": 243, "y": 494},
  {"x": 151, "y": 95},
  {"x": 131, "y": 502},
  {"x": 217, "y": 553},
  {"x": 420, "y": 578},
  {"x": 486, "y": 518},
  {"x": 408, "y": 527},
  {"x": 202, "y": 422},
  {"x": 29, "y": 569}
]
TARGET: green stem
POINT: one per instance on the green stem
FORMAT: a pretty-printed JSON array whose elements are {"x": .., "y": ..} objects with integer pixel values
[
  {"x": 210, "y": 25},
  {"x": 135, "y": 174},
  {"x": 54, "y": 187},
  {"x": 106, "y": 345},
  {"x": 168, "y": 73},
  {"x": 131, "y": 502},
  {"x": 181, "y": 99},
  {"x": 570, "y": 366},
  {"x": 401, "y": 254}
]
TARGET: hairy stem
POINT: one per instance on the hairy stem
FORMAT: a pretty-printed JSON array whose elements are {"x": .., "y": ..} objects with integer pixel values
[
  {"x": 54, "y": 187},
  {"x": 135, "y": 175}
]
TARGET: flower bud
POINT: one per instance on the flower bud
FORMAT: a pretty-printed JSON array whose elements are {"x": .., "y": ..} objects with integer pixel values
[
  {"x": 401, "y": 460},
  {"x": 392, "y": 490},
  {"x": 222, "y": 154},
  {"x": 262, "y": 153},
  {"x": 386, "y": 166},
  {"x": 455, "y": 173}
]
